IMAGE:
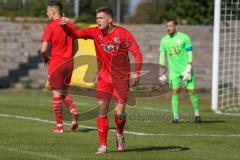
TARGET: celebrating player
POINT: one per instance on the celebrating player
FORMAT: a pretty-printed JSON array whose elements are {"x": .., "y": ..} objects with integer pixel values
[
  {"x": 60, "y": 64},
  {"x": 112, "y": 44},
  {"x": 177, "y": 47}
]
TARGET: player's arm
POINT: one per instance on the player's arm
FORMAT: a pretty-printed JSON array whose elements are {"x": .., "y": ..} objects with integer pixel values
[
  {"x": 135, "y": 51},
  {"x": 75, "y": 47},
  {"x": 46, "y": 39},
  {"x": 162, "y": 55},
  {"x": 75, "y": 43},
  {"x": 162, "y": 58},
  {"x": 67, "y": 25},
  {"x": 44, "y": 51},
  {"x": 188, "y": 47}
]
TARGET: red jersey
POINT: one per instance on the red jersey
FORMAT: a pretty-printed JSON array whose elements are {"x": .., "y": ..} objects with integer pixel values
[
  {"x": 112, "y": 51},
  {"x": 61, "y": 44}
]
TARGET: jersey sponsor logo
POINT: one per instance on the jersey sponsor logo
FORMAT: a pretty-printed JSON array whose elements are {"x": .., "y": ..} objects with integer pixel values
[
  {"x": 109, "y": 47},
  {"x": 115, "y": 47}
]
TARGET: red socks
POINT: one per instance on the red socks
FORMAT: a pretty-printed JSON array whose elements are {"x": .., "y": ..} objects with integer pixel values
[
  {"x": 57, "y": 108},
  {"x": 102, "y": 127},
  {"x": 120, "y": 123},
  {"x": 69, "y": 103}
]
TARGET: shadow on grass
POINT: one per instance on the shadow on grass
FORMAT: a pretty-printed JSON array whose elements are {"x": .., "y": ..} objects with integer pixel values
[
  {"x": 151, "y": 148},
  {"x": 209, "y": 121},
  {"x": 203, "y": 121},
  {"x": 86, "y": 130}
]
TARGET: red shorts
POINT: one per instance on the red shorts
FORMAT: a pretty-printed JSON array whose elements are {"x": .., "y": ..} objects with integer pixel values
[
  {"x": 60, "y": 73},
  {"x": 119, "y": 90}
]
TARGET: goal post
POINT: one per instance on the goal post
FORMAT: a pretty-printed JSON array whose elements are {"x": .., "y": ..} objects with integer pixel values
[
  {"x": 226, "y": 57},
  {"x": 215, "y": 68}
]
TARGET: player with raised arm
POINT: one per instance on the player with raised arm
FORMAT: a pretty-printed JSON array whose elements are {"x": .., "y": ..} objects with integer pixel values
[
  {"x": 60, "y": 64},
  {"x": 177, "y": 47},
  {"x": 112, "y": 44}
]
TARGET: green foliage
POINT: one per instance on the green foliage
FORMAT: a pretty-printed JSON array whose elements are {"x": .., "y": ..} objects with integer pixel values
[
  {"x": 198, "y": 12},
  {"x": 37, "y": 8},
  {"x": 149, "y": 11},
  {"x": 88, "y": 7},
  {"x": 34, "y": 8}
]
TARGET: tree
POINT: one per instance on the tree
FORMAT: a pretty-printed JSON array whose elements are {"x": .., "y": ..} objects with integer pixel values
[
  {"x": 149, "y": 11},
  {"x": 37, "y": 8},
  {"x": 88, "y": 7},
  {"x": 185, "y": 11}
]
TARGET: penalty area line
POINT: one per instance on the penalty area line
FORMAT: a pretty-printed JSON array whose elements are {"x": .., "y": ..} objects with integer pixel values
[{"x": 126, "y": 132}]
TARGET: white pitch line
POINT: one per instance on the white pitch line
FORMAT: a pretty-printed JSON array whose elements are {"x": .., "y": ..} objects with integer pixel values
[
  {"x": 150, "y": 109},
  {"x": 183, "y": 135},
  {"x": 228, "y": 114},
  {"x": 127, "y": 132},
  {"x": 43, "y": 102},
  {"x": 33, "y": 153}
]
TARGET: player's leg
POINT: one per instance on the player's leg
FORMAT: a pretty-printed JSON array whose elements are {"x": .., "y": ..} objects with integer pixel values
[
  {"x": 190, "y": 85},
  {"x": 54, "y": 81},
  {"x": 102, "y": 126},
  {"x": 175, "y": 85},
  {"x": 120, "y": 120},
  {"x": 57, "y": 108},
  {"x": 103, "y": 98},
  {"x": 67, "y": 99},
  {"x": 67, "y": 69},
  {"x": 120, "y": 94}
]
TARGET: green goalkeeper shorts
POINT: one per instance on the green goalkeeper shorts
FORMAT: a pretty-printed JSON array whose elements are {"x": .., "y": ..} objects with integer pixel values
[{"x": 189, "y": 84}]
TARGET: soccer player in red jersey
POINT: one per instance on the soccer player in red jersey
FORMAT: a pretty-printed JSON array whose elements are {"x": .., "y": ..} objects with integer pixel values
[
  {"x": 60, "y": 64},
  {"x": 112, "y": 44}
]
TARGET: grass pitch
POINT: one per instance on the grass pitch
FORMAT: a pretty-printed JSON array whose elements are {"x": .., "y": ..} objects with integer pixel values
[{"x": 26, "y": 122}]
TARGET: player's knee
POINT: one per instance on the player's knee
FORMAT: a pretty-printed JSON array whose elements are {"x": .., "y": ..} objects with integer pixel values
[
  {"x": 176, "y": 91},
  {"x": 119, "y": 112},
  {"x": 56, "y": 93},
  {"x": 102, "y": 103},
  {"x": 191, "y": 91},
  {"x": 102, "y": 108},
  {"x": 102, "y": 113},
  {"x": 119, "y": 109}
]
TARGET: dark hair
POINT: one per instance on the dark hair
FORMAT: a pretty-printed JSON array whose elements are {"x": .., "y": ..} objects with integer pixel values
[
  {"x": 106, "y": 10},
  {"x": 172, "y": 20},
  {"x": 57, "y": 5}
]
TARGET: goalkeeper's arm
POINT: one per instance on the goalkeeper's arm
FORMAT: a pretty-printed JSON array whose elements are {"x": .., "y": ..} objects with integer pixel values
[
  {"x": 162, "y": 74},
  {"x": 187, "y": 73}
]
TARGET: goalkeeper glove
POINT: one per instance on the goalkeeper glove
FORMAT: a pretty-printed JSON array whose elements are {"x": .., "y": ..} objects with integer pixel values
[
  {"x": 187, "y": 73},
  {"x": 162, "y": 78}
]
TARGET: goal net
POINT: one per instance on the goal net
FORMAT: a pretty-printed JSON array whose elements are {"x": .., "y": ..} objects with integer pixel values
[{"x": 226, "y": 69}]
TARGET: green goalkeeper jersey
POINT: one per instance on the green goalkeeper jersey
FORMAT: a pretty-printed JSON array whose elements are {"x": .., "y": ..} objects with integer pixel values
[{"x": 178, "y": 49}]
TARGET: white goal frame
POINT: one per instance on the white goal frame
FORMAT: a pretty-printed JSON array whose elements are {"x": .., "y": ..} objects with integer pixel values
[
  {"x": 216, "y": 76},
  {"x": 216, "y": 46}
]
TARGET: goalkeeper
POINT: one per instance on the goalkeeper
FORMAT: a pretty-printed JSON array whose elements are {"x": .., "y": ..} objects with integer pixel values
[{"x": 177, "y": 47}]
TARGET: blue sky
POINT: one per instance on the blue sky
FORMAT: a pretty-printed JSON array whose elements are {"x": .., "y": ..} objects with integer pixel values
[{"x": 133, "y": 4}]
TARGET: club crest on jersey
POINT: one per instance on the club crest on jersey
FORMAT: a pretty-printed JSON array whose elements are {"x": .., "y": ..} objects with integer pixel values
[
  {"x": 179, "y": 41},
  {"x": 116, "y": 40}
]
